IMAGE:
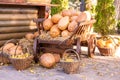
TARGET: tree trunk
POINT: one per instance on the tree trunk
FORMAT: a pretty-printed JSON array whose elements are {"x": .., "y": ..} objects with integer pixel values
[{"x": 117, "y": 7}]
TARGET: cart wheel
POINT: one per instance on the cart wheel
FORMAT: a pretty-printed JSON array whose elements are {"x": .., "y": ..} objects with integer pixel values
[
  {"x": 36, "y": 50},
  {"x": 91, "y": 45}
]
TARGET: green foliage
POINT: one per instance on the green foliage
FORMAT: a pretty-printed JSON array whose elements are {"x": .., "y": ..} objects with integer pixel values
[
  {"x": 105, "y": 18},
  {"x": 63, "y": 4}
]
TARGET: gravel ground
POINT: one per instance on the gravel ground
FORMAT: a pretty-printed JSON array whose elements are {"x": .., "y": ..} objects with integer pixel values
[{"x": 97, "y": 68}]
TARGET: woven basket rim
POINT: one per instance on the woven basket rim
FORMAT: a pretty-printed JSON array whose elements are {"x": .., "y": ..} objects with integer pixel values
[{"x": 31, "y": 56}]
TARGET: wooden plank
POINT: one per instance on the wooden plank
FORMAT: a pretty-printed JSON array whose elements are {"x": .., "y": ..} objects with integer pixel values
[
  {"x": 2, "y": 42},
  {"x": 17, "y": 23},
  {"x": 14, "y": 10},
  {"x": 17, "y": 29},
  {"x": 17, "y": 16},
  {"x": 29, "y": 4},
  {"x": 12, "y": 36}
]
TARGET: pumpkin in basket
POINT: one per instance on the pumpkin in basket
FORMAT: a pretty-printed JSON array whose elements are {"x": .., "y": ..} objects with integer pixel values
[
  {"x": 63, "y": 23},
  {"x": 47, "y": 60},
  {"x": 101, "y": 43},
  {"x": 65, "y": 33},
  {"x": 47, "y": 24},
  {"x": 54, "y": 31},
  {"x": 15, "y": 50},
  {"x": 55, "y": 18},
  {"x": 7, "y": 46}
]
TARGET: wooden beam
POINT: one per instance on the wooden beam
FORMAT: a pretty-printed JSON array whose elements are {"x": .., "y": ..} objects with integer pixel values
[
  {"x": 17, "y": 16},
  {"x": 15, "y": 10},
  {"x": 17, "y": 23},
  {"x": 12, "y": 36},
  {"x": 17, "y": 29}
]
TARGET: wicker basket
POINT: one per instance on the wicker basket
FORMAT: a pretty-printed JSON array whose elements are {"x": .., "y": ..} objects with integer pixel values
[
  {"x": 4, "y": 57},
  {"x": 21, "y": 64},
  {"x": 70, "y": 67},
  {"x": 107, "y": 51}
]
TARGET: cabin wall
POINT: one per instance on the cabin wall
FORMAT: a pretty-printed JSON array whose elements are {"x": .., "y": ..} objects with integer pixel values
[{"x": 17, "y": 20}]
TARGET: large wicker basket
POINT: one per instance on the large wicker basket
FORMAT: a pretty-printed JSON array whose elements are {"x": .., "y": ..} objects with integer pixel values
[
  {"x": 21, "y": 64},
  {"x": 4, "y": 57},
  {"x": 107, "y": 51},
  {"x": 70, "y": 67}
]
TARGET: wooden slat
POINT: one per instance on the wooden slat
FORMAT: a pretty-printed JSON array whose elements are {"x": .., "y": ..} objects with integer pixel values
[
  {"x": 2, "y": 42},
  {"x": 17, "y": 16},
  {"x": 28, "y": 4},
  {"x": 17, "y": 29},
  {"x": 17, "y": 23},
  {"x": 12, "y": 36},
  {"x": 15, "y": 10}
]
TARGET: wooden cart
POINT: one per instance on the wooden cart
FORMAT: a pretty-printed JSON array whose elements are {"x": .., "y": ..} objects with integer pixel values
[{"x": 81, "y": 35}]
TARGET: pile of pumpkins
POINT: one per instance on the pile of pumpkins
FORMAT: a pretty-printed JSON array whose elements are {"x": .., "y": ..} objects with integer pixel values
[
  {"x": 63, "y": 24},
  {"x": 107, "y": 42}
]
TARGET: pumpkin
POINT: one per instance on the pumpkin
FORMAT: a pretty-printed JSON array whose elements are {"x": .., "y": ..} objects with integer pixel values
[
  {"x": 88, "y": 15},
  {"x": 101, "y": 43},
  {"x": 7, "y": 46},
  {"x": 72, "y": 26},
  {"x": 63, "y": 23},
  {"x": 36, "y": 34},
  {"x": 73, "y": 18},
  {"x": 65, "y": 33},
  {"x": 47, "y": 24},
  {"x": 29, "y": 36},
  {"x": 55, "y": 18},
  {"x": 15, "y": 50},
  {"x": 74, "y": 12},
  {"x": 54, "y": 31},
  {"x": 47, "y": 60},
  {"x": 82, "y": 17},
  {"x": 109, "y": 45},
  {"x": 57, "y": 57},
  {"x": 66, "y": 13}
]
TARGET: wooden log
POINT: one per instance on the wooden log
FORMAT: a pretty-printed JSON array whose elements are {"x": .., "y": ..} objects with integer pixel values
[
  {"x": 17, "y": 29},
  {"x": 2, "y": 42},
  {"x": 12, "y": 36},
  {"x": 14, "y": 10},
  {"x": 17, "y": 23},
  {"x": 17, "y": 16}
]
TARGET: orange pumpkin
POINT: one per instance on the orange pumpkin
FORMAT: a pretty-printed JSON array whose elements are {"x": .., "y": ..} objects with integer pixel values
[
  {"x": 7, "y": 47},
  {"x": 66, "y": 13},
  {"x": 54, "y": 31},
  {"x": 47, "y": 24},
  {"x": 57, "y": 57},
  {"x": 55, "y": 18},
  {"x": 72, "y": 26},
  {"x": 65, "y": 33},
  {"x": 101, "y": 43},
  {"x": 47, "y": 60},
  {"x": 36, "y": 34},
  {"x": 63, "y": 23}
]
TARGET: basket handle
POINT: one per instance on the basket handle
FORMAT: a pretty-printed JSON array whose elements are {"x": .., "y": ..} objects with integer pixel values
[{"x": 72, "y": 51}]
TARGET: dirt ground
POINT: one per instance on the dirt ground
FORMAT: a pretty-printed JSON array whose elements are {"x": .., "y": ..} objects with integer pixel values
[{"x": 97, "y": 68}]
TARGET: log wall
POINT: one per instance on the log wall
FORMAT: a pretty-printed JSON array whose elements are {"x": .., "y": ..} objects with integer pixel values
[{"x": 17, "y": 20}]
